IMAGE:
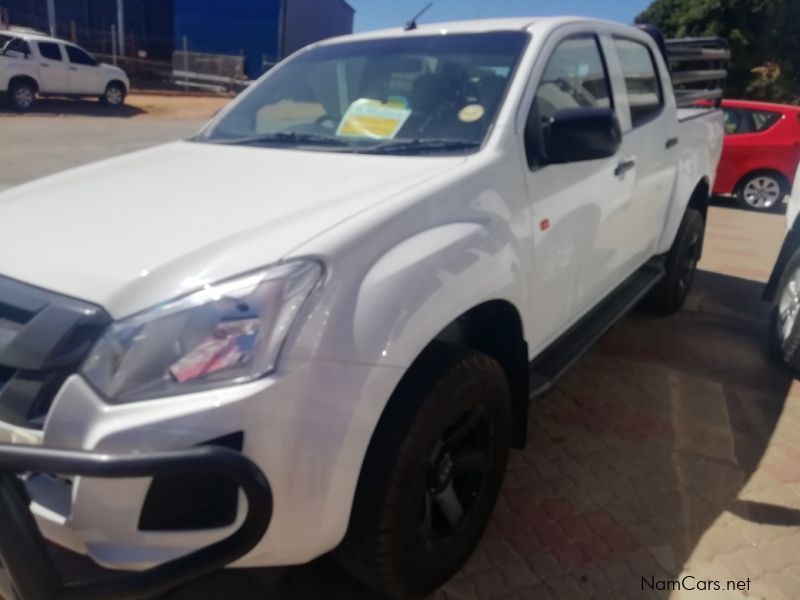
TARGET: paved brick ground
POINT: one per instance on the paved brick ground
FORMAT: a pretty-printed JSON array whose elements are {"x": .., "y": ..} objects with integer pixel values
[{"x": 671, "y": 450}]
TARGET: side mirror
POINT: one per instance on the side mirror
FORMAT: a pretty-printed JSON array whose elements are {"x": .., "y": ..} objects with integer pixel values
[{"x": 578, "y": 134}]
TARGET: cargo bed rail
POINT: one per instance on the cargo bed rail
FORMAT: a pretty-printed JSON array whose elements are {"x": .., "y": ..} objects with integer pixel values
[{"x": 698, "y": 66}]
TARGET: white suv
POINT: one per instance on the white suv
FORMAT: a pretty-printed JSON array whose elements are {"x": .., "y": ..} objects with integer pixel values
[{"x": 33, "y": 64}]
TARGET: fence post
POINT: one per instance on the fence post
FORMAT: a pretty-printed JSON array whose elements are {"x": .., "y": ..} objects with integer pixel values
[
  {"x": 113, "y": 43},
  {"x": 121, "y": 23},
  {"x": 185, "y": 63},
  {"x": 72, "y": 32},
  {"x": 51, "y": 17}
]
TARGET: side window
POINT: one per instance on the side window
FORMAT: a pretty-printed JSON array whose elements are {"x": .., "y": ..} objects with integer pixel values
[
  {"x": 743, "y": 120},
  {"x": 641, "y": 80},
  {"x": 79, "y": 57},
  {"x": 763, "y": 120},
  {"x": 575, "y": 77},
  {"x": 738, "y": 120},
  {"x": 49, "y": 50}
]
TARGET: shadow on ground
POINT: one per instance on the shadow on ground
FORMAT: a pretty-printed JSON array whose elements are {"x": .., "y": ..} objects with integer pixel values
[
  {"x": 71, "y": 107},
  {"x": 631, "y": 458}
]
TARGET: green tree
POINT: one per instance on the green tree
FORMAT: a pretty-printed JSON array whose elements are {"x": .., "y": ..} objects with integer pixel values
[{"x": 763, "y": 36}]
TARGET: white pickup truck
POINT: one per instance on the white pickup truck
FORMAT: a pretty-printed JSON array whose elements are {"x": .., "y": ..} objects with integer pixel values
[
  {"x": 339, "y": 296},
  {"x": 32, "y": 64}
]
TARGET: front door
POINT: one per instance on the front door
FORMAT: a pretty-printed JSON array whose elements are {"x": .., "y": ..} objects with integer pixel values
[
  {"x": 85, "y": 75},
  {"x": 580, "y": 208}
]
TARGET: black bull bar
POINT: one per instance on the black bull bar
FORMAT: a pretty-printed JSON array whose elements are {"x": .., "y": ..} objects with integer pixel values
[{"x": 30, "y": 572}]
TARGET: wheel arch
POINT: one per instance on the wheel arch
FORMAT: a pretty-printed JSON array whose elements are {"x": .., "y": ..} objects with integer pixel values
[
  {"x": 24, "y": 79},
  {"x": 495, "y": 328},
  {"x": 699, "y": 200},
  {"x": 701, "y": 196},
  {"x": 120, "y": 82},
  {"x": 790, "y": 245}
]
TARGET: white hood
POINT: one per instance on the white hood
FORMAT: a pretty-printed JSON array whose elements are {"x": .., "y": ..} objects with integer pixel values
[{"x": 134, "y": 231}]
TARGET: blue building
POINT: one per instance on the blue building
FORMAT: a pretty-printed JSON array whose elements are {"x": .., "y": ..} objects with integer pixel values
[{"x": 262, "y": 31}]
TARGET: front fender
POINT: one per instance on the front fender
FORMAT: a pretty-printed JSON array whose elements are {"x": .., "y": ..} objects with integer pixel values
[
  {"x": 373, "y": 318},
  {"x": 424, "y": 283}
]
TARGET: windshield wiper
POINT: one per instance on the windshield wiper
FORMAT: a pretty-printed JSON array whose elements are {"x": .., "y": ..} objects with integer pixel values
[
  {"x": 281, "y": 139},
  {"x": 421, "y": 146}
]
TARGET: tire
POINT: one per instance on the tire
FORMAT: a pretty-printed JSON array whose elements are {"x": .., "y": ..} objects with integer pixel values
[
  {"x": 669, "y": 295},
  {"x": 441, "y": 447},
  {"x": 114, "y": 95},
  {"x": 784, "y": 323},
  {"x": 22, "y": 95},
  {"x": 762, "y": 191}
]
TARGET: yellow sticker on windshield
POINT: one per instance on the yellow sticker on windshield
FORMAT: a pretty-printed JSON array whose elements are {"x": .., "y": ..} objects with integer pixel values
[
  {"x": 471, "y": 113},
  {"x": 373, "y": 119}
]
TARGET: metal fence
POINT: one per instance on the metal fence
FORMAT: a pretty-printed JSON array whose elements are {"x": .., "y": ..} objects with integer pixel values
[{"x": 153, "y": 62}]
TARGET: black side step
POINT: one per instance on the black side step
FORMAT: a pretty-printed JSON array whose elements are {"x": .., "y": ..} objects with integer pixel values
[{"x": 548, "y": 366}]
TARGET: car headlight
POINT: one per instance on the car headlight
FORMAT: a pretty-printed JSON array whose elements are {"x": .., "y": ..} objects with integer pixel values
[{"x": 230, "y": 332}]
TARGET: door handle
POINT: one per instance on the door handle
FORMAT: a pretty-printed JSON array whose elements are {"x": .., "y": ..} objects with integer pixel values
[
  {"x": 624, "y": 167},
  {"x": 672, "y": 142},
  {"x": 45, "y": 65},
  {"x": 73, "y": 68}
]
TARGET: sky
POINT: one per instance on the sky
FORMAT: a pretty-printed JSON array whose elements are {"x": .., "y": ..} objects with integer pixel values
[{"x": 377, "y": 14}]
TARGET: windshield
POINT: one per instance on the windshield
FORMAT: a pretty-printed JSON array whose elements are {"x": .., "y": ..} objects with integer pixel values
[
  {"x": 13, "y": 46},
  {"x": 415, "y": 95}
]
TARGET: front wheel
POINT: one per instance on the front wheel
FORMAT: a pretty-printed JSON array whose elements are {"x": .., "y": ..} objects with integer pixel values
[
  {"x": 432, "y": 474},
  {"x": 762, "y": 191},
  {"x": 114, "y": 94},
  {"x": 681, "y": 264},
  {"x": 784, "y": 325}
]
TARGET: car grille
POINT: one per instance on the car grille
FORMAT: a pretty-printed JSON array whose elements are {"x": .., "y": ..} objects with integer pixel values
[{"x": 44, "y": 338}]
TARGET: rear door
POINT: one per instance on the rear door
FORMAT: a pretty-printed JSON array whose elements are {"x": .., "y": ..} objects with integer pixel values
[
  {"x": 52, "y": 68},
  {"x": 580, "y": 208},
  {"x": 85, "y": 75},
  {"x": 647, "y": 108}
]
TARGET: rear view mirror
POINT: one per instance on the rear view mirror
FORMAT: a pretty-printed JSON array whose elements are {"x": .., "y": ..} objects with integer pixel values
[
  {"x": 407, "y": 64},
  {"x": 578, "y": 134}
]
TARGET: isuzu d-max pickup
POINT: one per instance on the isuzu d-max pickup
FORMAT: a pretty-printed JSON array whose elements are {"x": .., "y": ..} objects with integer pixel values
[{"x": 316, "y": 325}]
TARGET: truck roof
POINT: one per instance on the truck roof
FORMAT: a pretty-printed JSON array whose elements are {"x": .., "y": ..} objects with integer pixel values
[
  {"x": 474, "y": 26},
  {"x": 30, "y": 35}
]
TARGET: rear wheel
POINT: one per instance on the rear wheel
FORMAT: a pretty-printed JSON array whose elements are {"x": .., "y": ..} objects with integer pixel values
[
  {"x": 432, "y": 474},
  {"x": 681, "y": 264},
  {"x": 114, "y": 94},
  {"x": 784, "y": 326},
  {"x": 22, "y": 95},
  {"x": 762, "y": 191}
]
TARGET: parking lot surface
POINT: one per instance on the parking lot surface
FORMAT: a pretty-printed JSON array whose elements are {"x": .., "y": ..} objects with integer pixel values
[
  {"x": 59, "y": 134},
  {"x": 670, "y": 452}
]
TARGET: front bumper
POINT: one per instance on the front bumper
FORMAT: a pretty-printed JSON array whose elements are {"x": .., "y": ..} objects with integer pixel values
[{"x": 31, "y": 574}]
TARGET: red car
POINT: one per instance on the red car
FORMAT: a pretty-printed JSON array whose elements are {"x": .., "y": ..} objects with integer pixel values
[{"x": 761, "y": 152}]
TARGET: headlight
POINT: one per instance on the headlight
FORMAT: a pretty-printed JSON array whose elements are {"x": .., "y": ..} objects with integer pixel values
[{"x": 226, "y": 333}]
